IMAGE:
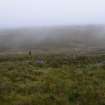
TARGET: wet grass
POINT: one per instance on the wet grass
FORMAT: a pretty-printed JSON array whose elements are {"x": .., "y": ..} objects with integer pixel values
[{"x": 61, "y": 80}]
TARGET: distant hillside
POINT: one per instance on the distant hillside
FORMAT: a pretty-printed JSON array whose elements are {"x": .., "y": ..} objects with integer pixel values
[
  {"x": 53, "y": 38},
  {"x": 79, "y": 35}
]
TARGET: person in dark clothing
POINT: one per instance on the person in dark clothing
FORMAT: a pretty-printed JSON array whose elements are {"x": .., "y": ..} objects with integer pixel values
[{"x": 30, "y": 53}]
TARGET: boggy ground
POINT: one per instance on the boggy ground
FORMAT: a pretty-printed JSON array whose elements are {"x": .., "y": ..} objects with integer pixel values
[{"x": 59, "y": 80}]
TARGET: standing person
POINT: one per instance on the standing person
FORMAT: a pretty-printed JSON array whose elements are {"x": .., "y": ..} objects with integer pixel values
[{"x": 29, "y": 53}]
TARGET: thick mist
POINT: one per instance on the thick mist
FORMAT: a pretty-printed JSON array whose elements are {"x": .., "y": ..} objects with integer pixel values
[{"x": 53, "y": 38}]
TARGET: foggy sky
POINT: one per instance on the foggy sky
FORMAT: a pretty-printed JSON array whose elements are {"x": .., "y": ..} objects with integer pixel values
[{"x": 20, "y": 13}]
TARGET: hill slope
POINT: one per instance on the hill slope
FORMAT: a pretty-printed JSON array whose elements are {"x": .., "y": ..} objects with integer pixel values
[{"x": 83, "y": 37}]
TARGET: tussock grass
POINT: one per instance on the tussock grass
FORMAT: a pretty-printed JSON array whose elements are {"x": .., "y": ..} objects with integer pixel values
[{"x": 61, "y": 80}]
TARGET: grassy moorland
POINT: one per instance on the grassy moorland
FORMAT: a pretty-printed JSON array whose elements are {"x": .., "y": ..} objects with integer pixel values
[{"x": 60, "y": 80}]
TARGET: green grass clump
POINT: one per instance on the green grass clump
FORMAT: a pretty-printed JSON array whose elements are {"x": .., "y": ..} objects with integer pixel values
[{"x": 61, "y": 80}]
